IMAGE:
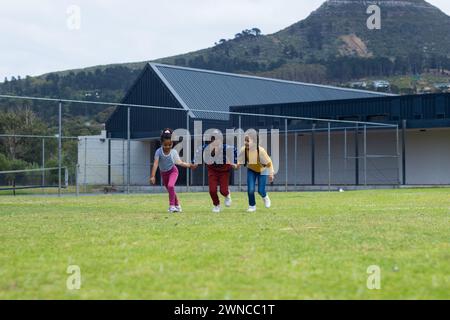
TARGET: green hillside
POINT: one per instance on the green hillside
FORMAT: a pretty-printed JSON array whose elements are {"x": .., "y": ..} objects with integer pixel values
[
  {"x": 414, "y": 37},
  {"x": 333, "y": 45}
]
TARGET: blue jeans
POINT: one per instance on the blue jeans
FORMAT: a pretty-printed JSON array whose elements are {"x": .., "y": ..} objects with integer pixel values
[{"x": 252, "y": 176}]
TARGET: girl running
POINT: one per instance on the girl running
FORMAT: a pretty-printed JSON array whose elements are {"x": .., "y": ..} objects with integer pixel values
[
  {"x": 219, "y": 162},
  {"x": 167, "y": 159},
  {"x": 259, "y": 168}
]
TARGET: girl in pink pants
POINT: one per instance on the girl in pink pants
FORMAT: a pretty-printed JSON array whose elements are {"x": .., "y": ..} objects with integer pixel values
[
  {"x": 167, "y": 159},
  {"x": 170, "y": 180}
]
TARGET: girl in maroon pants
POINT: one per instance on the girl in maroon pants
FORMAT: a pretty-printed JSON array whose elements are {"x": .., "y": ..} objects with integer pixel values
[{"x": 219, "y": 159}]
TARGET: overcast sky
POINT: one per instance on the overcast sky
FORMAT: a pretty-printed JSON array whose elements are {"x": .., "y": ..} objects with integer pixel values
[{"x": 43, "y": 36}]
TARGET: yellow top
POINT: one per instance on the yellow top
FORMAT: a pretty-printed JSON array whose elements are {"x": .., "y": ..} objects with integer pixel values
[{"x": 254, "y": 163}]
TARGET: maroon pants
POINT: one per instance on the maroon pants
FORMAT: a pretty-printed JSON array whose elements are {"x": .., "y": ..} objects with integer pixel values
[{"x": 218, "y": 177}]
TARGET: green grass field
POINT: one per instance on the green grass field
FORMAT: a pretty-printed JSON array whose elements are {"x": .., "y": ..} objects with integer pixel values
[{"x": 308, "y": 246}]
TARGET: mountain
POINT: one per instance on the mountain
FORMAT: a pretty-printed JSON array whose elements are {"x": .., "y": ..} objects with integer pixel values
[
  {"x": 414, "y": 35},
  {"x": 332, "y": 45}
]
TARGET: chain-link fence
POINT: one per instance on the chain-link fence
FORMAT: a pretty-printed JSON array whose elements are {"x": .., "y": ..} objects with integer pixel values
[{"x": 71, "y": 136}]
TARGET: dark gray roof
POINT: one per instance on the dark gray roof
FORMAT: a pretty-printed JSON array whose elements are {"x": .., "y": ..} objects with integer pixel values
[{"x": 210, "y": 90}]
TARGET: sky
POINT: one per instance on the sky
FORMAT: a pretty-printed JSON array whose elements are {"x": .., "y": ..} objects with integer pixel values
[{"x": 43, "y": 36}]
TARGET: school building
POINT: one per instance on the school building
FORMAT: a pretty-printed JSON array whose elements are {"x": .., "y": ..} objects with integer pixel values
[{"x": 311, "y": 153}]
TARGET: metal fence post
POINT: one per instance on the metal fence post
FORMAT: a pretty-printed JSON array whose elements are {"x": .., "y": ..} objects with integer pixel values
[
  {"x": 240, "y": 139},
  {"x": 66, "y": 177},
  {"x": 43, "y": 162},
  {"x": 345, "y": 152},
  {"x": 286, "y": 142},
  {"x": 329, "y": 156},
  {"x": 188, "y": 152},
  {"x": 85, "y": 164},
  {"x": 404, "y": 125},
  {"x": 295, "y": 158},
  {"x": 397, "y": 146},
  {"x": 59, "y": 147},
  {"x": 109, "y": 160},
  {"x": 313, "y": 154},
  {"x": 128, "y": 149},
  {"x": 357, "y": 155},
  {"x": 123, "y": 162},
  {"x": 77, "y": 168},
  {"x": 365, "y": 155}
]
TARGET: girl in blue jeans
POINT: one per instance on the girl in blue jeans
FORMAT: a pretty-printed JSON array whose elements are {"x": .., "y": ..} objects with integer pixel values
[{"x": 259, "y": 168}]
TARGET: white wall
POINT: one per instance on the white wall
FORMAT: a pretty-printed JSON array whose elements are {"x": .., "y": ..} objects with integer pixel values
[
  {"x": 428, "y": 157},
  {"x": 93, "y": 161}
]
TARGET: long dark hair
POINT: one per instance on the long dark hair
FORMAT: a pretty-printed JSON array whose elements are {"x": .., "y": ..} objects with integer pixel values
[{"x": 247, "y": 151}]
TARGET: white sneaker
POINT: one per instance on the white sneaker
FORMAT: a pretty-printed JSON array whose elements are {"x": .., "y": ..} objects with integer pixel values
[
  {"x": 179, "y": 209},
  {"x": 251, "y": 209},
  {"x": 216, "y": 209},
  {"x": 172, "y": 209},
  {"x": 228, "y": 201},
  {"x": 267, "y": 202}
]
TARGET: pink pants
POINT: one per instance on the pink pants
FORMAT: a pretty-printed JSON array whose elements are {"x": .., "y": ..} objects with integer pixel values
[{"x": 170, "y": 179}]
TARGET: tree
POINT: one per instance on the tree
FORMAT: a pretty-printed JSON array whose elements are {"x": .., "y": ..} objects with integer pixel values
[
  {"x": 246, "y": 32},
  {"x": 256, "y": 31},
  {"x": 180, "y": 61},
  {"x": 197, "y": 62},
  {"x": 256, "y": 51},
  {"x": 290, "y": 51},
  {"x": 314, "y": 36},
  {"x": 21, "y": 121}
]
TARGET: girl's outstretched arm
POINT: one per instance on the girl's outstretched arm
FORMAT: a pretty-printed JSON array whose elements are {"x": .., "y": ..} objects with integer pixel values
[
  {"x": 154, "y": 169},
  {"x": 186, "y": 165}
]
